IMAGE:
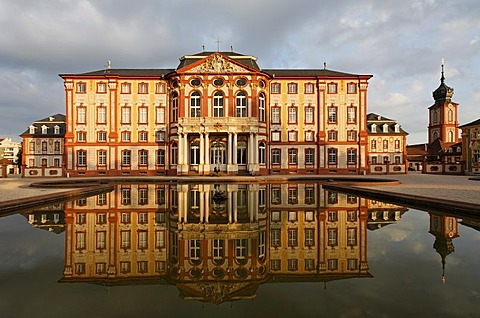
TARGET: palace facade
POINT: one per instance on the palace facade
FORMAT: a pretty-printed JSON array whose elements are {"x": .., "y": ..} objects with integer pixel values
[{"x": 216, "y": 112}]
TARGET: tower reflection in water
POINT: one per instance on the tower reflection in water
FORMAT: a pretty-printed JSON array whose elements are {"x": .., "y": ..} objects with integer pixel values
[{"x": 219, "y": 242}]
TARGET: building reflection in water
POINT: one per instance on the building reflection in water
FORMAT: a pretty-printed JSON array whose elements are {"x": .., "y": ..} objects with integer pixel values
[{"x": 219, "y": 242}]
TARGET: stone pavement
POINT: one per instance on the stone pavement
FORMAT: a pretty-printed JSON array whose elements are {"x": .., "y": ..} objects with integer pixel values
[{"x": 456, "y": 188}]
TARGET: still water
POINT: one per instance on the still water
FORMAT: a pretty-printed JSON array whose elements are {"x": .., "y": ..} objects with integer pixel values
[{"x": 237, "y": 250}]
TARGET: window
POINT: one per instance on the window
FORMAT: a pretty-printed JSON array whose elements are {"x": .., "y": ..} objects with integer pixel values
[
  {"x": 56, "y": 162},
  {"x": 241, "y": 105},
  {"x": 332, "y": 264},
  {"x": 142, "y": 114},
  {"x": 142, "y": 266},
  {"x": 292, "y": 156},
  {"x": 352, "y": 264},
  {"x": 332, "y": 156},
  {"x": 126, "y": 88},
  {"x": 80, "y": 268},
  {"x": 126, "y": 197},
  {"x": 276, "y": 216},
  {"x": 160, "y": 115},
  {"x": 218, "y": 250},
  {"x": 102, "y": 157},
  {"x": 218, "y": 102},
  {"x": 292, "y": 195},
  {"x": 332, "y": 88},
  {"x": 292, "y": 115},
  {"x": 241, "y": 248},
  {"x": 292, "y": 88},
  {"x": 276, "y": 196},
  {"x": 262, "y": 153},
  {"x": 242, "y": 152},
  {"x": 81, "y": 136},
  {"x": 143, "y": 157},
  {"x": 160, "y": 157},
  {"x": 309, "y": 215},
  {"x": 309, "y": 237},
  {"x": 195, "y": 152},
  {"x": 309, "y": 114},
  {"x": 292, "y": 135},
  {"x": 352, "y": 199},
  {"x": 308, "y": 135},
  {"x": 332, "y": 197},
  {"x": 275, "y": 264},
  {"x": 351, "y": 135},
  {"x": 276, "y": 237},
  {"x": 174, "y": 107},
  {"x": 56, "y": 147},
  {"x": 143, "y": 136},
  {"x": 101, "y": 115},
  {"x": 309, "y": 88},
  {"x": 275, "y": 115},
  {"x": 81, "y": 114},
  {"x": 56, "y": 130},
  {"x": 81, "y": 87},
  {"x": 195, "y": 99},
  {"x": 143, "y": 199},
  {"x": 292, "y": 216},
  {"x": 385, "y": 144},
  {"x": 160, "y": 136},
  {"x": 81, "y": 218},
  {"x": 143, "y": 88},
  {"x": 100, "y": 268},
  {"x": 275, "y": 156},
  {"x": 160, "y": 88},
  {"x": 276, "y": 88},
  {"x": 159, "y": 239},
  {"x": 332, "y": 237},
  {"x": 261, "y": 107},
  {"x": 332, "y": 135},
  {"x": 126, "y": 136},
  {"x": 351, "y": 216},
  {"x": 81, "y": 243},
  {"x": 44, "y": 147},
  {"x": 142, "y": 239},
  {"x": 309, "y": 156},
  {"x": 373, "y": 128},
  {"x": 82, "y": 158},
  {"x": 309, "y": 264},
  {"x": 100, "y": 238},
  {"x": 174, "y": 154},
  {"x": 125, "y": 267},
  {"x": 351, "y": 115},
  {"x": 276, "y": 136},
  {"x": 126, "y": 115},
  {"x": 160, "y": 199},
  {"x": 397, "y": 159},
  {"x": 373, "y": 145},
  {"x": 397, "y": 144},
  {"x": 351, "y": 88},
  {"x": 102, "y": 200},
  {"x": 102, "y": 136},
  {"x": 332, "y": 114},
  {"x": 101, "y": 87},
  {"x": 351, "y": 156},
  {"x": 292, "y": 238},
  {"x": 351, "y": 236},
  {"x": 126, "y": 157}
]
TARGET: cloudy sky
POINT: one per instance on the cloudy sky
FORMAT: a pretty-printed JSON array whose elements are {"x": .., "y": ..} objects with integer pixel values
[{"x": 400, "y": 43}]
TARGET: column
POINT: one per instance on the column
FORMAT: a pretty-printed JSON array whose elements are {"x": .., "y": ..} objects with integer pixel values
[
  {"x": 229, "y": 149},
  {"x": 202, "y": 154},
  {"x": 180, "y": 148},
  {"x": 235, "y": 146},
  {"x": 185, "y": 154},
  {"x": 235, "y": 204},
  {"x": 229, "y": 207},
  {"x": 207, "y": 152}
]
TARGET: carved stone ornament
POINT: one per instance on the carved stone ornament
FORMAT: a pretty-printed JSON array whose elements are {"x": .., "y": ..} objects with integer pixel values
[{"x": 217, "y": 64}]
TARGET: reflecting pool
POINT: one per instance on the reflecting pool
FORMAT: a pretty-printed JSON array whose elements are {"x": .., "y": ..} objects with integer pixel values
[{"x": 236, "y": 250}]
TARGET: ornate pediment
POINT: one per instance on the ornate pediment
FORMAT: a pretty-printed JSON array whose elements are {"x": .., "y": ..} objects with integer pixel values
[{"x": 217, "y": 64}]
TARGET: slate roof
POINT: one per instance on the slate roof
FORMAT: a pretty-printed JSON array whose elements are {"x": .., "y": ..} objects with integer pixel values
[
  {"x": 380, "y": 121},
  {"x": 247, "y": 60},
  {"x": 473, "y": 123},
  {"x": 50, "y": 122}
]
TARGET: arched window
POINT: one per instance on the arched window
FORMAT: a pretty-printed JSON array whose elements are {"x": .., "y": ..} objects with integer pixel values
[
  {"x": 241, "y": 105},
  {"x": 261, "y": 153},
  {"x": 261, "y": 107},
  {"x": 217, "y": 153},
  {"x": 174, "y": 107},
  {"x": 218, "y": 104},
  {"x": 174, "y": 155},
  {"x": 450, "y": 136},
  {"x": 435, "y": 117},
  {"x": 435, "y": 135},
  {"x": 450, "y": 115},
  {"x": 195, "y": 104}
]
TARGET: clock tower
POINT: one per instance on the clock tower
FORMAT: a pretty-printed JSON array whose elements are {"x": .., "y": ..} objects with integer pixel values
[{"x": 443, "y": 122}]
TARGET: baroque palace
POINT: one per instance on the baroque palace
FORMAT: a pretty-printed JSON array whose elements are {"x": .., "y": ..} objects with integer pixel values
[{"x": 217, "y": 112}]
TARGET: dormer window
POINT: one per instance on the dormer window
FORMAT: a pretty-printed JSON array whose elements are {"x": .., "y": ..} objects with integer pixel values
[
  {"x": 397, "y": 128},
  {"x": 56, "y": 130},
  {"x": 44, "y": 129},
  {"x": 32, "y": 129},
  {"x": 374, "y": 128},
  {"x": 385, "y": 128}
]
